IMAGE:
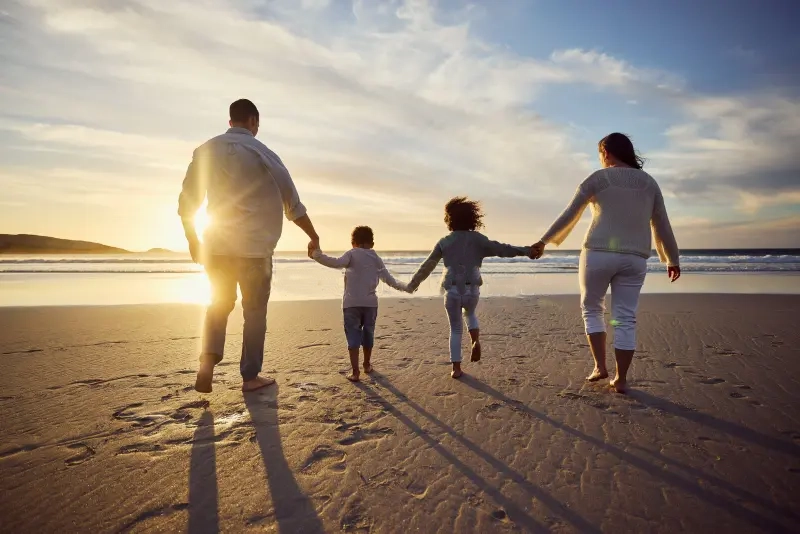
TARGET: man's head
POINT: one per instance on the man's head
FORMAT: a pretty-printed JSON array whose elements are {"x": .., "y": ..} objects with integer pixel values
[
  {"x": 362, "y": 237},
  {"x": 244, "y": 114}
]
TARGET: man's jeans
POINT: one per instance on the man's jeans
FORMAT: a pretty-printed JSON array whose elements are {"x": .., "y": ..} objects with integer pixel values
[{"x": 254, "y": 278}]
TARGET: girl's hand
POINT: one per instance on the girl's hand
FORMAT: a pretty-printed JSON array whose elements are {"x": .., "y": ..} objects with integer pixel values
[{"x": 674, "y": 272}]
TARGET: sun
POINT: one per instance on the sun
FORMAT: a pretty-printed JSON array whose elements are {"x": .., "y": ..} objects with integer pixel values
[{"x": 201, "y": 220}]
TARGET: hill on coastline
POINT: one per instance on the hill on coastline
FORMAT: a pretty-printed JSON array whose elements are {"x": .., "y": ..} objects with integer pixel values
[{"x": 37, "y": 244}]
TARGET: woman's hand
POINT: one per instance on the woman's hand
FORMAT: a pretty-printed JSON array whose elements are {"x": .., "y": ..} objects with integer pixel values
[{"x": 674, "y": 272}]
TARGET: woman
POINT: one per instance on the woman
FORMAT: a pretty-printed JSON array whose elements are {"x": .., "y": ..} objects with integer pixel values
[{"x": 625, "y": 202}]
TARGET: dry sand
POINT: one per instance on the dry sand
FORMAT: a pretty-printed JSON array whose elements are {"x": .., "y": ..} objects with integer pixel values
[{"x": 102, "y": 432}]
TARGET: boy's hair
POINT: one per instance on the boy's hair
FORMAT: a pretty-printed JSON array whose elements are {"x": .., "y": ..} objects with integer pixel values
[
  {"x": 461, "y": 213},
  {"x": 362, "y": 235}
]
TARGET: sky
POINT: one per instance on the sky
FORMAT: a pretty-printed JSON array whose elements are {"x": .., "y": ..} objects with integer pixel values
[{"x": 384, "y": 109}]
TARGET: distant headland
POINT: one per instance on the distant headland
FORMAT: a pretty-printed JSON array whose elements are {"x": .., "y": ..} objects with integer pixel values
[{"x": 38, "y": 244}]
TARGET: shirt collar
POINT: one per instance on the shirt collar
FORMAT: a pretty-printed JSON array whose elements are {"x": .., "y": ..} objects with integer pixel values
[{"x": 238, "y": 130}]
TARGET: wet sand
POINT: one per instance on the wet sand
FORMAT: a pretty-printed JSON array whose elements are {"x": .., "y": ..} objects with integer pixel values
[{"x": 102, "y": 432}]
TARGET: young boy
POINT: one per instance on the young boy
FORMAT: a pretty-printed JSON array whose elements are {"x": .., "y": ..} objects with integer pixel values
[{"x": 363, "y": 270}]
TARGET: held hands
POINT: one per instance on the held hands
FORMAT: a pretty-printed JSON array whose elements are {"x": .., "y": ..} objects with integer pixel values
[
  {"x": 312, "y": 246},
  {"x": 674, "y": 273},
  {"x": 537, "y": 250}
]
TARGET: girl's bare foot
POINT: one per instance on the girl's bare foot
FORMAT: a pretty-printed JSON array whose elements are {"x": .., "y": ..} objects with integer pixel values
[
  {"x": 353, "y": 377},
  {"x": 367, "y": 367},
  {"x": 597, "y": 374},
  {"x": 476, "y": 352},
  {"x": 257, "y": 383},
  {"x": 619, "y": 385},
  {"x": 456, "y": 372}
]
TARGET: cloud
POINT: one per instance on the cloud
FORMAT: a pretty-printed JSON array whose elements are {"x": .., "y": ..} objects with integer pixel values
[{"x": 389, "y": 107}]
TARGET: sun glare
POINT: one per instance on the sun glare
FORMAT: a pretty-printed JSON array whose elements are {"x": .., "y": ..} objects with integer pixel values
[{"x": 201, "y": 221}]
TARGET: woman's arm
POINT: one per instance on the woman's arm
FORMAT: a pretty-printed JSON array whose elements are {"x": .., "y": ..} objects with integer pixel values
[
  {"x": 426, "y": 268},
  {"x": 329, "y": 261},
  {"x": 666, "y": 245},
  {"x": 562, "y": 226}
]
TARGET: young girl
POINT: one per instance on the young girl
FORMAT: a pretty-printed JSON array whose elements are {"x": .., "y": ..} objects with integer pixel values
[{"x": 463, "y": 251}]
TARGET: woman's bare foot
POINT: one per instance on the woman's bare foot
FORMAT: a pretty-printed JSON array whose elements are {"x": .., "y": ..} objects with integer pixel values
[
  {"x": 205, "y": 375},
  {"x": 257, "y": 383},
  {"x": 619, "y": 385},
  {"x": 597, "y": 374},
  {"x": 456, "y": 372},
  {"x": 367, "y": 367},
  {"x": 476, "y": 352},
  {"x": 353, "y": 377}
]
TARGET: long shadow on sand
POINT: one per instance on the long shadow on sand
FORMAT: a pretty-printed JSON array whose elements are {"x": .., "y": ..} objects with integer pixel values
[
  {"x": 726, "y": 427},
  {"x": 516, "y": 514},
  {"x": 294, "y": 511},
  {"x": 203, "y": 505},
  {"x": 732, "y": 506}
]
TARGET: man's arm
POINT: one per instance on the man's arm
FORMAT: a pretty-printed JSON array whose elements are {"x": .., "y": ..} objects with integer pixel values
[
  {"x": 304, "y": 222},
  {"x": 191, "y": 198}
]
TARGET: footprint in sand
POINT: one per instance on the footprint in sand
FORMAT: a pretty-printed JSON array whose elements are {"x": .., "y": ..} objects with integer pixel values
[
  {"x": 444, "y": 393},
  {"x": 84, "y": 453},
  {"x": 711, "y": 381},
  {"x": 368, "y": 434},
  {"x": 736, "y": 395},
  {"x": 324, "y": 454}
]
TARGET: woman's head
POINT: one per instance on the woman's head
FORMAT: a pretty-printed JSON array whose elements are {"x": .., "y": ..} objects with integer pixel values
[
  {"x": 617, "y": 148},
  {"x": 461, "y": 214}
]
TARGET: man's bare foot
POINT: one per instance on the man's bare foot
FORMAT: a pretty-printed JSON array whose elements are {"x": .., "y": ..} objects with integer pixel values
[
  {"x": 353, "y": 377},
  {"x": 367, "y": 367},
  {"x": 476, "y": 352},
  {"x": 597, "y": 374},
  {"x": 619, "y": 385},
  {"x": 204, "y": 378},
  {"x": 257, "y": 383}
]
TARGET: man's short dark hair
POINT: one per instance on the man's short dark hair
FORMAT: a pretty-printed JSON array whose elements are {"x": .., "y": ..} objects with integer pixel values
[
  {"x": 242, "y": 110},
  {"x": 362, "y": 235}
]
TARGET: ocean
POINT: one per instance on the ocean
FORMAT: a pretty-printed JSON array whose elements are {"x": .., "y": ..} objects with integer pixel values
[{"x": 28, "y": 280}]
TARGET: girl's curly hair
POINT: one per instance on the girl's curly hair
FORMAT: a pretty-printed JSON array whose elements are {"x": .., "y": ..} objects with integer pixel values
[{"x": 461, "y": 213}]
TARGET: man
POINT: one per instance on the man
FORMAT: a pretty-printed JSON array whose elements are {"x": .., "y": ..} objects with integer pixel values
[{"x": 249, "y": 191}]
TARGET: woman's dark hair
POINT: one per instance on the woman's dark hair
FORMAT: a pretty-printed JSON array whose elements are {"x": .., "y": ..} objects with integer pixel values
[
  {"x": 620, "y": 146},
  {"x": 362, "y": 235},
  {"x": 461, "y": 213}
]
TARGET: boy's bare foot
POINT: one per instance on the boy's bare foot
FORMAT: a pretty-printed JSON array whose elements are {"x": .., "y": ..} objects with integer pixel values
[
  {"x": 456, "y": 372},
  {"x": 476, "y": 352},
  {"x": 205, "y": 375},
  {"x": 353, "y": 377},
  {"x": 257, "y": 383},
  {"x": 597, "y": 374},
  {"x": 619, "y": 385},
  {"x": 367, "y": 368}
]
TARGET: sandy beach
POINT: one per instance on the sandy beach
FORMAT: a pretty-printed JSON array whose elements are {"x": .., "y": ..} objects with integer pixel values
[{"x": 102, "y": 431}]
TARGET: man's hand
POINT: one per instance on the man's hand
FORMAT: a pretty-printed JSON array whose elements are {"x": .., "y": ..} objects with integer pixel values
[
  {"x": 674, "y": 272},
  {"x": 197, "y": 251},
  {"x": 537, "y": 250}
]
